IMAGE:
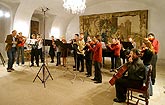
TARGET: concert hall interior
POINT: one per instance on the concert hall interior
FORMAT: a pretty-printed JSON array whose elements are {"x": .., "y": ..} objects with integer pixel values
[{"x": 54, "y": 54}]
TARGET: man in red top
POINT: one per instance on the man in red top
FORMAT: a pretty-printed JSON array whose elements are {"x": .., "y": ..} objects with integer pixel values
[
  {"x": 97, "y": 58},
  {"x": 20, "y": 48},
  {"x": 155, "y": 44},
  {"x": 116, "y": 48}
]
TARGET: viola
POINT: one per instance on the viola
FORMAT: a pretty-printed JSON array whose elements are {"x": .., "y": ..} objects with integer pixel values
[{"x": 119, "y": 74}]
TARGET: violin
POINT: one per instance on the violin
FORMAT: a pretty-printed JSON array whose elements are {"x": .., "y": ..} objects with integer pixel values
[{"x": 122, "y": 69}]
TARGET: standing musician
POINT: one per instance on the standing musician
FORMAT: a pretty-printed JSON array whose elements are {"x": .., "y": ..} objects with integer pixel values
[
  {"x": 34, "y": 50},
  {"x": 116, "y": 48},
  {"x": 11, "y": 41},
  {"x": 97, "y": 58},
  {"x": 132, "y": 41},
  {"x": 80, "y": 52},
  {"x": 136, "y": 76},
  {"x": 112, "y": 45},
  {"x": 146, "y": 55},
  {"x": 20, "y": 47},
  {"x": 40, "y": 45},
  {"x": 155, "y": 44},
  {"x": 52, "y": 50},
  {"x": 88, "y": 57},
  {"x": 58, "y": 49},
  {"x": 64, "y": 52},
  {"x": 74, "y": 46}
]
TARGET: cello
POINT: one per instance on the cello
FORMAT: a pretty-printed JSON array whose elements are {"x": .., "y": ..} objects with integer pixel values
[{"x": 122, "y": 69}]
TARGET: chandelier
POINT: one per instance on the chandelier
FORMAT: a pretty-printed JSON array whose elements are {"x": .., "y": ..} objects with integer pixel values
[{"x": 74, "y": 6}]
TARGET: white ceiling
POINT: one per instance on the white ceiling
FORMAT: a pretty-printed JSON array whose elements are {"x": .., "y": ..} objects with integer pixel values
[{"x": 56, "y": 6}]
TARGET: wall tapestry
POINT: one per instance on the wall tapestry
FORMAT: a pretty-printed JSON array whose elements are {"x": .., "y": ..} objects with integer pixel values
[{"x": 116, "y": 25}]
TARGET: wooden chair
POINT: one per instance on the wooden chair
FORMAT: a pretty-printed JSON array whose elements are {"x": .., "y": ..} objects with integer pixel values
[{"x": 144, "y": 90}]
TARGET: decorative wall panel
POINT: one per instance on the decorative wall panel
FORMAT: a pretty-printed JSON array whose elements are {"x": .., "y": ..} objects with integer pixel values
[{"x": 116, "y": 25}]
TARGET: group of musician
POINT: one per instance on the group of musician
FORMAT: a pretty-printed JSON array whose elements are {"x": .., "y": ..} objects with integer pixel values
[
  {"x": 137, "y": 68},
  {"x": 15, "y": 43},
  {"x": 15, "y": 49},
  {"x": 138, "y": 60}
]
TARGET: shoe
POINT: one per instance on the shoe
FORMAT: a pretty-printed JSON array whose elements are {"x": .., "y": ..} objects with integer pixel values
[
  {"x": 8, "y": 70},
  {"x": 74, "y": 69},
  {"x": 88, "y": 75},
  {"x": 12, "y": 69},
  {"x": 52, "y": 62},
  {"x": 94, "y": 79},
  {"x": 111, "y": 70},
  {"x": 37, "y": 65},
  {"x": 153, "y": 81},
  {"x": 31, "y": 65},
  {"x": 117, "y": 100},
  {"x": 81, "y": 71},
  {"x": 96, "y": 82}
]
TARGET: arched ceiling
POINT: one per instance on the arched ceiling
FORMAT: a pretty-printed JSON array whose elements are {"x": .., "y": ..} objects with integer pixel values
[
  {"x": 56, "y": 6},
  {"x": 27, "y": 7}
]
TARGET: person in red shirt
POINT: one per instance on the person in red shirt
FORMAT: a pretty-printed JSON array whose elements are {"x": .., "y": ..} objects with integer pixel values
[
  {"x": 20, "y": 48},
  {"x": 116, "y": 48},
  {"x": 155, "y": 44},
  {"x": 97, "y": 58}
]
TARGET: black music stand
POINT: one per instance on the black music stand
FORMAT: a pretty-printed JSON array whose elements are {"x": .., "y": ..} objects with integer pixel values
[
  {"x": 48, "y": 42},
  {"x": 44, "y": 67},
  {"x": 127, "y": 45},
  {"x": 69, "y": 46}
]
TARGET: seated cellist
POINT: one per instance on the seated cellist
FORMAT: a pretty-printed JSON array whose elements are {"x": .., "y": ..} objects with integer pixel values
[{"x": 134, "y": 78}]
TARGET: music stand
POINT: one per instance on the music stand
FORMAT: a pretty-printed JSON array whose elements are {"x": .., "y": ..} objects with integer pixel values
[
  {"x": 48, "y": 42},
  {"x": 69, "y": 46},
  {"x": 127, "y": 45},
  {"x": 43, "y": 67}
]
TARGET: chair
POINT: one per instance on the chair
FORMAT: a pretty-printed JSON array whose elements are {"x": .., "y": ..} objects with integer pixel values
[{"x": 143, "y": 90}]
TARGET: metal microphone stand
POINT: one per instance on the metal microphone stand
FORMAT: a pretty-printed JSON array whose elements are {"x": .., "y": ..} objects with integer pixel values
[{"x": 43, "y": 68}]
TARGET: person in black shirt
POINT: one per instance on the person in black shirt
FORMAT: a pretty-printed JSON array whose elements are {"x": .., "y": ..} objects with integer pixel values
[
  {"x": 74, "y": 47},
  {"x": 134, "y": 79},
  {"x": 146, "y": 55},
  {"x": 88, "y": 58},
  {"x": 52, "y": 50},
  {"x": 34, "y": 50}
]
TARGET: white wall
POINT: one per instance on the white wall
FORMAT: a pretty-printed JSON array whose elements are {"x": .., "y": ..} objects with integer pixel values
[
  {"x": 69, "y": 24},
  {"x": 156, "y": 17}
]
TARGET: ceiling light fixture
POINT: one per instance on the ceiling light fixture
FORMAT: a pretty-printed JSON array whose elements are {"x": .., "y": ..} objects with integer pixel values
[
  {"x": 75, "y": 6},
  {"x": 4, "y": 14}
]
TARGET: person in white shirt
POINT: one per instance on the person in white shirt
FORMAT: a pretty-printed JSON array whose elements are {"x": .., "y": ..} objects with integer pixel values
[
  {"x": 40, "y": 45},
  {"x": 34, "y": 50}
]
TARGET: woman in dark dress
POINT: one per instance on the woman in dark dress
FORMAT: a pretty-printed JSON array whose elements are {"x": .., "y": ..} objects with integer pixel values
[
  {"x": 52, "y": 50},
  {"x": 64, "y": 52}
]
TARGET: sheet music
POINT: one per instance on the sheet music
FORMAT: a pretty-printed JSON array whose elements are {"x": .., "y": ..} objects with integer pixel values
[
  {"x": 31, "y": 41},
  {"x": 103, "y": 45}
]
